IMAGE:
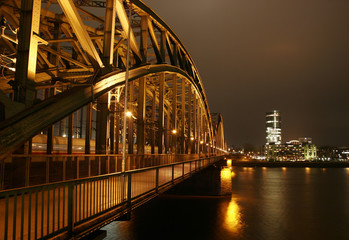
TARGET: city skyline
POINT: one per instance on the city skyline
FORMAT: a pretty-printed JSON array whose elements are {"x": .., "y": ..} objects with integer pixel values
[{"x": 258, "y": 56}]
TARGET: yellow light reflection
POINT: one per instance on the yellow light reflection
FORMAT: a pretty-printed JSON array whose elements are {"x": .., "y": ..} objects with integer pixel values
[
  {"x": 226, "y": 183},
  {"x": 233, "y": 174},
  {"x": 264, "y": 168},
  {"x": 226, "y": 174},
  {"x": 229, "y": 162},
  {"x": 233, "y": 221},
  {"x": 307, "y": 169},
  {"x": 284, "y": 169}
]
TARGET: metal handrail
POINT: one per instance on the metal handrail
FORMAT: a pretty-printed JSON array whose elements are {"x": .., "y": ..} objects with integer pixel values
[{"x": 68, "y": 207}]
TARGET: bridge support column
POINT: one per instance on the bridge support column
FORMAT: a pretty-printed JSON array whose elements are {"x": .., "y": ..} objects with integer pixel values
[
  {"x": 101, "y": 124},
  {"x": 141, "y": 117},
  {"x": 174, "y": 114},
  {"x": 153, "y": 120},
  {"x": 117, "y": 133},
  {"x": 168, "y": 132},
  {"x": 190, "y": 134},
  {"x": 88, "y": 128},
  {"x": 24, "y": 89},
  {"x": 50, "y": 129},
  {"x": 161, "y": 114},
  {"x": 196, "y": 130},
  {"x": 112, "y": 132},
  {"x": 130, "y": 119},
  {"x": 183, "y": 117},
  {"x": 70, "y": 133}
]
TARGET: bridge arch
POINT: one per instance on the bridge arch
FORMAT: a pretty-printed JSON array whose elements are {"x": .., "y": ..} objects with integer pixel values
[{"x": 79, "y": 72}]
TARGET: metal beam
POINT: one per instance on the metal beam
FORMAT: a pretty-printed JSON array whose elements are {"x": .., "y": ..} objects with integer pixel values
[
  {"x": 144, "y": 38},
  {"x": 183, "y": 117},
  {"x": 77, "y": 25},
  {"x": 161, "y": 120},
  {"x": 109, "y": 32},
  {"x": 24, "y": 125},
  {"x": 101, "y": 124},
  {"x": 174, "y": 114},
  {"x": 130, "y": 126},
  {"x": 120, "y": 10},
  {"x": 27, "y": 51},
  {"x": 154, "y": 41},
  {"x": 141, "y": 117}
]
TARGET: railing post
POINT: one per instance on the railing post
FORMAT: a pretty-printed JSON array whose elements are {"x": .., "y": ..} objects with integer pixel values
[
  {"x": 64, "y": 168},
  {"x": 182, "y": 169},
  {"x": 70, "y": 209},
  {"x": 157, "y": 180},
  {"x": 172, "y": 173},
  {"x": 47, "y": 169},
  {"x": 190, "y": 167},
  {"x": 27, "y": 170},
  {"x": 129, "y": 193},
  {"x": 2, "y": 174},
  {"x": 77, "y": 168}
]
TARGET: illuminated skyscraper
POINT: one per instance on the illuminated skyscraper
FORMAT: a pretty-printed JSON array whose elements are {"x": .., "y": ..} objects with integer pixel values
[{"x": 273, "y": 127}]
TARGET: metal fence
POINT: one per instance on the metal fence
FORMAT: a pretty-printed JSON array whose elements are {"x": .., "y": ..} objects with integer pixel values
[
  {"x": 29, "y": 170},
  {"x": 71, "y": 207}
]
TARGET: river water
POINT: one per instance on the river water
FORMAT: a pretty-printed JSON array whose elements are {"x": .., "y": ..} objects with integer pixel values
[{"x": 258, "y": 203}]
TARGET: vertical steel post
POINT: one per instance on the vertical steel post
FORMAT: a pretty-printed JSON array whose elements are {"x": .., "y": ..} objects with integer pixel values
[
  {"x": 112, "y": 132},
  {"x": 88, "y": 128},
  {"x": 117, "y": 132},
  {"x": 157, "y": 180},
  {"x": 183, "y": 117},
  {"x": 70, "y": 134},
  {"x": 71, "y": 209},
  {"x": 190, "y": 136},
  {"x": 101, "y": 124},
  {"x": 130, "y": 119},
  {"x": 161, "y": 113},
  {"x": 174, "y": 113},
  {"x": 2, "y": 174},
  {"x": 141, "y": 117},
  {"x": 195, "y": 129},
  {"x": 27, "y": 49},
  {"x": 50, "y": 130},
  {"x": 153, "y": 118}
]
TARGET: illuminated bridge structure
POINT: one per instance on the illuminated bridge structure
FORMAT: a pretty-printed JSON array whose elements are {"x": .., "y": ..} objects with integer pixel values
[{"x": 64, "y": 65}]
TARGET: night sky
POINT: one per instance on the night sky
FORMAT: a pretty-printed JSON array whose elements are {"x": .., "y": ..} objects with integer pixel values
[{"x": 255, "y": 56}]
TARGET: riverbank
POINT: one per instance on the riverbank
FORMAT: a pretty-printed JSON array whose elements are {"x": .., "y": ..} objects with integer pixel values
[{"x": 299, "y": 164}]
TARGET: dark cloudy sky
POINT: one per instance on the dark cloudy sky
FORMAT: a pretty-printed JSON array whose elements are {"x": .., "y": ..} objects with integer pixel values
[{"x": 258, "y": 55}]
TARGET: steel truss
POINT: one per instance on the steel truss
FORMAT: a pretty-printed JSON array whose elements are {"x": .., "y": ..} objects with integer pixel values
[{"x": 63, "y": 71}]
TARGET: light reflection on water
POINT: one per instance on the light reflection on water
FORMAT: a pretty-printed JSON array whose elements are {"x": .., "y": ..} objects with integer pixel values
[
  {"x": 263, "y": 203},
  {"x": 233, "y": 222}
]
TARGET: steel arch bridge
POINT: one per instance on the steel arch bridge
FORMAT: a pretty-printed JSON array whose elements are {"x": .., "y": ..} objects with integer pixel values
[{"x": 62, "y": 83}]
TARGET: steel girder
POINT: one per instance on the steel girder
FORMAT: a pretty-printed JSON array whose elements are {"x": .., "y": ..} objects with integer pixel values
[
  {"x": 84, "y": 40},
  {"x": 26, "y": 124}
]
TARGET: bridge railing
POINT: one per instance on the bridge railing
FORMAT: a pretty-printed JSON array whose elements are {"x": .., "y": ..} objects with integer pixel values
[
  {"x": 28, "y": 170},
  {"x": 74, "y": 206}
]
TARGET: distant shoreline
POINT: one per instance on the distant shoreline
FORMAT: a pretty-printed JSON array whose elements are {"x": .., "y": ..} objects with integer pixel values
[{"x": 290, "y": 164}]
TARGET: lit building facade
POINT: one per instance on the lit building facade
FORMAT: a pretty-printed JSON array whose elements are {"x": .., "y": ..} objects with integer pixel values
[
  {"x": 273, "y": 127},
  {"x": 296, "y": 150}
]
